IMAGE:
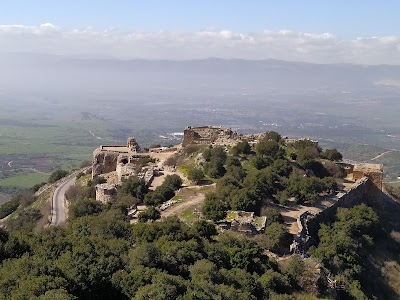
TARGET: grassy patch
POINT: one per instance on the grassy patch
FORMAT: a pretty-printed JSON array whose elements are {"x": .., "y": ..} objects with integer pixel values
[
  {"x": 189, "y": 216},
  {"x": 83, "y": 180},
  {"x": 177, "y": 198},
  {"x": 184, "y": 170},
  {"x": 206, "y": 188},
  {"x": 43, "y": 197},
  {"x": 258, "y": 222},
  {"x": 24, "y": 179},
  {"x": 43, "y": 203},
  {"x": 231, "y": 215},
  {"x": 248, "y": 166}
]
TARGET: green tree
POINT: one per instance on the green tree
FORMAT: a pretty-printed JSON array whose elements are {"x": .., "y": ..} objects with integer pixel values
[
  {"x": 164, "y": 286},
  {"x": 242, "y": 147},
  {"x": 129, "y": 283},
  {"x": 236, "y": 172},
  {"x": 281, "y": 167},
  {"x": 133, "y": 186},
  {"x": 307, "y": 153},
  {"x": 173, "y": 182},
  {"x": 260, "y": 162},
  {"x": 273, "y": 215},
  {"x": 267, "y": 147},
  {"x": 214, "y": 208},
  {"x": 204, "y": 229},
  {"x": 84, "y": 207},
  {"x": 331, "y": 154},
  {"x": 26, "y": 219},
  {"x": 9, "y": 207},
  {"x": 343, "y": 246},
  {"x": 273, "y": 136},
  {"x": 151, "y": 213},
  {"x": 207, "y": 154},
  {"x": 196, "y": 175},
  {"x": 57, "y": 175},
  {"x": 57, "y": 294},
  {"x": 216, "y": 169},
  {"x": 295, "y": 267},
  {"x": 278, "y": 236},
  {"x": 243, "y": 200}
]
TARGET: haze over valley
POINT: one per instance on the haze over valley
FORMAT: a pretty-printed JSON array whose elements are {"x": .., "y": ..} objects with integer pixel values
[{"x": 55, "y": 109}]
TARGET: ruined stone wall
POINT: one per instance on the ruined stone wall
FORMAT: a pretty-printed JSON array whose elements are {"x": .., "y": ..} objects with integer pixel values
[
  {"x": 363, "y": 191},
  {"x": 209, "y": 135},
  {"x": 376, "y": 178},
  {"x": 357, "y": 175},
  {"x": 104, "y": 162},
  {"x": 189, "y": 136},
  {"x": 106, "y": 193}
]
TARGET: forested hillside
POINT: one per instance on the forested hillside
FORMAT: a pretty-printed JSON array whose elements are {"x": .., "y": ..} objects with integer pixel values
[{"x": 100, "y": 254}]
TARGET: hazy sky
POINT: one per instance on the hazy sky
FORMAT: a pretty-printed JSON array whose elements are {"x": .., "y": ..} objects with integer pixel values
[{"x": 358, "y": 31}]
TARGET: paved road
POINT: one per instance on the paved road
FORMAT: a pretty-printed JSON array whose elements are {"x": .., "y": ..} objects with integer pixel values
[{"x": 58, "y": 216}]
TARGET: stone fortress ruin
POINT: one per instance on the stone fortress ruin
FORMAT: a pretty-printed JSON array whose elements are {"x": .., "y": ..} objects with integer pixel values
[
  {"x": 210, "y": 135},
  {"x": 123, "y": 161},
  {"x": 363, "y": 181}
]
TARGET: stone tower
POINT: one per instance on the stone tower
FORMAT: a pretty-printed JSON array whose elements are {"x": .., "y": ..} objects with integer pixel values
[{"x": 132, "y": 145}]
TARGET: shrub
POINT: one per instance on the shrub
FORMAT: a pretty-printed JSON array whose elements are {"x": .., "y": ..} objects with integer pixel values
[
  {"x": 278, "y": 236},
  {"x": 57, "y": 175},
  {"x": 331, "y": 154},
  {"x": 150, "y": 213},
  {"x": 26, "y": 220},
  {"x": 195, "y": 174},
  {"x": 84, "y": 207},
  {"x": 8, "y": 207}
]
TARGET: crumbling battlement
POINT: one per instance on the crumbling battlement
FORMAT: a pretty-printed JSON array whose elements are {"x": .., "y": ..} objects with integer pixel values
[
  {"x": 104, "y": 162},
  {"x": 372, "y": 171},
  {"x": 112, "y": 158},
  {"x": 106, "y": 193},
  {"x": 363, "y": 191},
  {"x": 209, "y": 135},
  {"x": 244, "y": 222}
]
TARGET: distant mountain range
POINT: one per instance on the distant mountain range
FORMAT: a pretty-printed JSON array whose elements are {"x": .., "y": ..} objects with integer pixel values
[{"x": 212, "y": 73}]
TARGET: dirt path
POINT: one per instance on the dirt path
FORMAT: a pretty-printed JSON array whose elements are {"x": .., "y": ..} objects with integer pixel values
[
  {"x": 293, "y": 212},
  {"x": 178, "y": 208},
  {"x": 382, "y": 154},
  {"x": 158, "y": 180}
]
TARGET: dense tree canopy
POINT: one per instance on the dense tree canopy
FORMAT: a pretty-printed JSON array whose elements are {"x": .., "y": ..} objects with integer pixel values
[{"x": 100, "y": 255}]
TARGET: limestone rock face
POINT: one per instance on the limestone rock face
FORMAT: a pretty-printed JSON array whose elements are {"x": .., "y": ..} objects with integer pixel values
[{"x": 104, "y": 162}]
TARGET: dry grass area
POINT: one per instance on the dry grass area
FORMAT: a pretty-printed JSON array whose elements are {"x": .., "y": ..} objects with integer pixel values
[
  {"x": 83, "y": 180},
  {"x": 191, "y": 200},
  {"x": 158, "y": 180},
  {"x": 44, "y": 204},
  {"x": 391, "y": 271}
]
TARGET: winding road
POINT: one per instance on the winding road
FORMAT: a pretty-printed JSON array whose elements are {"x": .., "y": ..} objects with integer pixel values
[{"x": 58, "y": 214}]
